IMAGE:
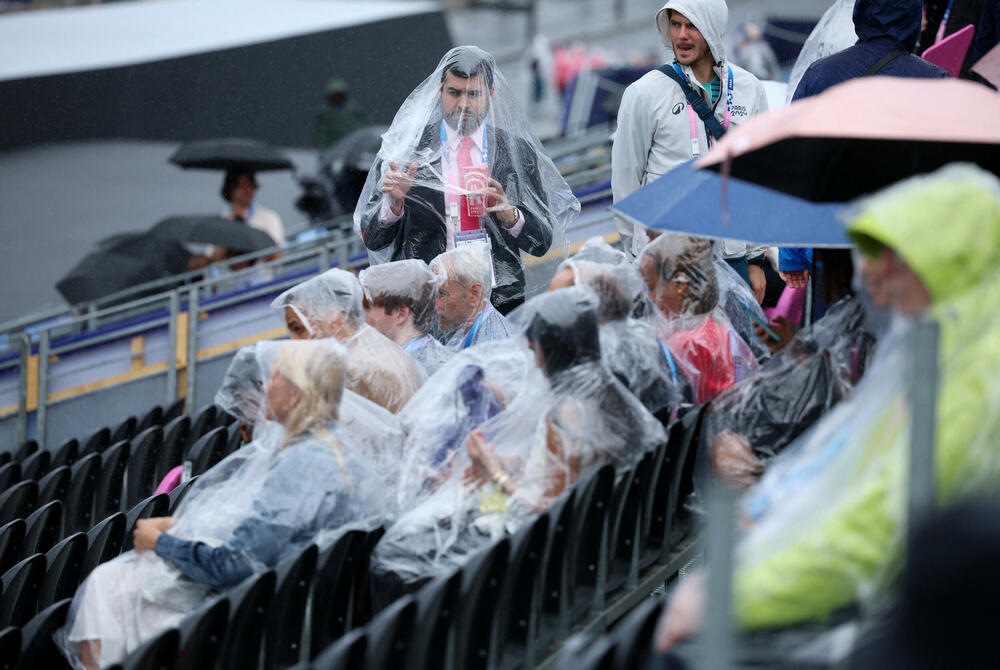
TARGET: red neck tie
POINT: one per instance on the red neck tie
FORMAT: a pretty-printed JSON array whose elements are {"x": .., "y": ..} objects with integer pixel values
[{"x": 469, "y": 222}]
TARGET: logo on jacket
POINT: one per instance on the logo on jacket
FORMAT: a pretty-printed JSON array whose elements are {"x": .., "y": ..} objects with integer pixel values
[{"x": 678, "y": 108}]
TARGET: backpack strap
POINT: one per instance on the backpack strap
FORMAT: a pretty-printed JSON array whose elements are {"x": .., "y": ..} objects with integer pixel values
[
  {"x": 883, "y": 61},
  {"x": 697, "y": 102}
]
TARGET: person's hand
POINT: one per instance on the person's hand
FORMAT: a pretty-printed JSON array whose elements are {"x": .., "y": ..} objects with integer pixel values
[
  {"x": 783, "y": 327},
  {"x": 795, "y": 278},
  {"x": 758, "y": 282},
  {"x": 485, "y": 463},
  {"x": 733, "y": 461},
  {"x": 684, "y": 614},
  {"x": 496, "y": 202},
  {"x": 396, "y": 184},
  {"x": 147, "y": 532}
]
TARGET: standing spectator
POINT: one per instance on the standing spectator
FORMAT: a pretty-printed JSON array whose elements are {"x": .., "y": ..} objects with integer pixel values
[
  {"x": 460, "y": 164},
  {"x": 340, "y": 115},
  {"x": 658, "y": 129},
  {"x": 238, "y": 189},
  {"x": 465, "y": 314}
]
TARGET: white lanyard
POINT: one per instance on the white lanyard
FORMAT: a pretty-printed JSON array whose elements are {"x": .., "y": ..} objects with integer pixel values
[{"x": 693, "y": 116}]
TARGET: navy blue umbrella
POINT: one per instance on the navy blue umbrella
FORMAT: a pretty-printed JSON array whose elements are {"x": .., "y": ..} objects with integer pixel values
[{"x": 686, "y": 200}]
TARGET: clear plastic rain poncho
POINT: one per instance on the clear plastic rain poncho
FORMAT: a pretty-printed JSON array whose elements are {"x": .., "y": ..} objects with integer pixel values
[
  {"x": 241, "y": 393},
  {"x": 465, "y": 315},
  {"x": 569, "y": 416},
  {"x": 829, "y": 517},
  {"x": 458, "y": 140},
  {"x": 331, "y": 305},
  {"x": 629, "y": 347},
  {"x": 750, "y": 423},
  {"x": 409, "y": 284},
  {"x": 300, "y": 481},
  {"x": 834, "y": 33},
  {"x": 686, "y": 287}
]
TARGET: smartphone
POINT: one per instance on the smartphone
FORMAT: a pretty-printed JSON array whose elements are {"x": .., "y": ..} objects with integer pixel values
[{"x": 760, "y": 322}]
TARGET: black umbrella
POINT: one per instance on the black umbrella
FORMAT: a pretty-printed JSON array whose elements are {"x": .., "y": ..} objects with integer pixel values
[
  {"x": 232, "y": 235},
  {"x": 121, "y": 262},
  {"x": 231, "y": 154},
  {"x": 356, "y": 150}
]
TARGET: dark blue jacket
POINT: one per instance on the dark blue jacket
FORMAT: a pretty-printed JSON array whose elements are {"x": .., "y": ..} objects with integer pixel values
[{"x": 881, "y": 25}]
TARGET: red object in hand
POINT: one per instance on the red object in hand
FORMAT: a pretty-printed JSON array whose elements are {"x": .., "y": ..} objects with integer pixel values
[{"x": 469, "y": 222}]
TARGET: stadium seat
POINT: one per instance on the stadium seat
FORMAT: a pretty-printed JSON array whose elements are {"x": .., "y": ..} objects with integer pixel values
[
  {"x": 634, "y": 635},
  {"x": 348, "y": 653},
  {"x": 248, "y": 608},
  {"x": 6, "y": 457},
  {"x": 521, "y": 599},
  {"x": 142, "y": 461},
  {"x": 10, "y": 648},
  {"x": 173, "y": 411},
  {"x": 596, "y": 656},
  {"x": 234, "y": 440},
  {"x": 433, "y": 642},
  {"x": 332, "y": 589},
  {"x": 203, "y": 422},
  {"x": 111, "y": 480},
  {"x": 475, "y": 620},
  {"x": 66, "y": 454},
  {"x": 362, "y": 606},
  {"x": 653, "y": 512},
  {"x": 55, "y": 485},
  {"x": 153, "y": 506},
  {"x": 202, "y": 633},
  {"x": 175, "y": 436},
  {"x": 614, "y": 573},
  {"x": 42, "y": 529},
  {"x": 18, "y": 501},
  {"x": 207, "y": 451},
  {"x": 36, "y": 466},
  {"x": 587, "y": 539},
  {"x": 389, "y": 635},
  {"x": 63, "y": 571},
  {"x": 26, "y": 449},
  {"x": 286, "y": 619},
  {"x": 177, "y": 495},
  {"x": 554, "y": 620},
  {"x": 97, "y": 442},
  {"x": 160, "y": 653},
  {"x": 10, "y": 474},
  {"x": 154, "y": 417},
  {"x": 79, "y": 497},
  {"x": 223, "y": 419},
  {"x": 38, "y": 649},
  {"x": 11, "y": 541},
  {"x": 680, "y": 515},
  {"x": 19, "y": 599},
  {"x": 125, "y": 430},
  {"x": 104, "y": 542}
]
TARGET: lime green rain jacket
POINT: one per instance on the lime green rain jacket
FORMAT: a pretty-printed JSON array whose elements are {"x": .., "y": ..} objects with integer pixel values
[{"x": 832, "y": 516}]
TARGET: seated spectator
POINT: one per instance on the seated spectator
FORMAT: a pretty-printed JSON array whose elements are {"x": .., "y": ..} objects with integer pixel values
[
  {"x": 331, "y": 305},
  {"x": 682, "y": 283},
  {"x": 570, "y": 417},
  {"x": 300, "y": 482},
  {"x": 242, "y": 391},
  {"x": 828, "y": 519},
  {"x": 629, "y": 347},
  {"x": 400, "y": 299},
  {"x": 465, "y": 315}
]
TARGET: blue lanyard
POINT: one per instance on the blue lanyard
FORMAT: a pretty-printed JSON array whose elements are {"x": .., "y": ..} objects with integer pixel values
[
  {"x": 484, "y": 144},
  {"x": 415, "y": 344},
  {"x": 670, "y": 360},
  {"x": 471, "y": 335}
]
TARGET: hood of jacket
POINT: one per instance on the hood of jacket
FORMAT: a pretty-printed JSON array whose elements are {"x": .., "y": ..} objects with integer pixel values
[
  {"x": 945, "y": 225},
  {"x": 710, "y": 17},
  {"x": 896, "y": 20}
]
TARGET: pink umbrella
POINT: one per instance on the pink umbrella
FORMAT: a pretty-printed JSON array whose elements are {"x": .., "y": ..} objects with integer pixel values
[{"x": 862, "y": 135}]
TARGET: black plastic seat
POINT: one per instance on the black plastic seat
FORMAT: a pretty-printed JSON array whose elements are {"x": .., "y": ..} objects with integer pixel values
[
  {"x": 633, "y": 636},
  {"x": 521, "y": 599},
  {"x": 333, "y": 586},
  {"x": 554, "y": 620},
  {"x": 362, "y": 606},
  {"x": 175, "y": 436},
  {"x": 10, "y": 648},
  {"x": 160, "y": 653},
  {"x": 616, "y": 572},
  {"x": 26, "y": 449},
  {"x": 153, "y": 506},
  {"x": 649, "y": 549},
  {"x": 154, "y": 417},
  {"x": 38, "y": 649},
  {"x": 598, "y": 655},
  {"x": 19, "y": 599},
  {"x": 347, "y": 653},
  {"x": 125, "y": 430},
  {"x": 177, "y": 495},
  {"x": 680, "y": 516},
  {"x": 11, "y": 540},
  {"x": 6, "y": 457},
  {"x": 64, "y": 568},
  {"x": 142, "y": 461},
  {"x": 55, "y": 485},
  {"x": 97, "y": 442},
  {"x": 79, "y": 498},
  {"x": 207, "y": 451},
  {"x": 588, "y": 538},
  {"x": 248, "y": 609},
  {"x": 283, "y": 639},
  {"x": 203, "y": 422},
  {"x": 202, "y": 633},
  {"x": 628, "y": 534},
  {"x": 389, "y": 635},
  {"x": 475, "y": 620},
  {"x": 36, "y": 466},
  {"x": 18, "y": 501},
  {"x": 111, "y": 481},
  {"x": 173, "y": 411},
  {"x": 10, "y": 474},
  {"x": 42, "y": 529},
  {"x": 223, "y": 419},
  {"x": 66, "y": 454},
  {"x": 104, "y": 541},
  {"x": 234, "y": 440},
  {"x": 432, "y": 646}
]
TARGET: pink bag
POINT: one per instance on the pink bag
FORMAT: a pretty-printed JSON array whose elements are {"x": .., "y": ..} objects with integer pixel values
[
  {"x": 171, "y": 481},
  {"x": 790, "y": 305}
]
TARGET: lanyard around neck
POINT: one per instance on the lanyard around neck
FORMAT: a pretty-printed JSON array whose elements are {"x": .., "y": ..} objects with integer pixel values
[
  {"x": 483, "y": 144},
  {"x": 471, "y": 335},
  {"x": 693, "y": 116}
]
